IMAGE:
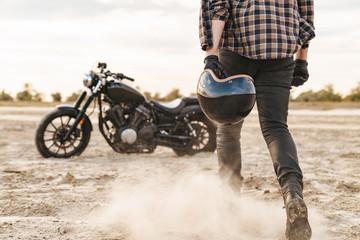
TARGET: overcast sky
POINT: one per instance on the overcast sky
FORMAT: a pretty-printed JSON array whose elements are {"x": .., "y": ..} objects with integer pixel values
[{"x": 52, "y": 43}]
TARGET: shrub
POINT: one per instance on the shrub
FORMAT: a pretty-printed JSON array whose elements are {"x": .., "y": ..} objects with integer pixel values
[
  {"x": 175, "y": 93},
  {"x": 5, "y": 96},
  {"x": 354, "y": 95},
  {"x": 56, "y": 97},
  {"x": 29, "y": 94},
  {"x": 74, "y": 96},
  {"x": 324, "y": 95}
]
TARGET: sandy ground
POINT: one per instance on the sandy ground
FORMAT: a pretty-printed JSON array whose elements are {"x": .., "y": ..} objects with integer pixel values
[{"x": 105, "y": 195}]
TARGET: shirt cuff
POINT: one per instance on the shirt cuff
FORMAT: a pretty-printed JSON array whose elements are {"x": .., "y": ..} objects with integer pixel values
[{"x": 222, "y": 15}]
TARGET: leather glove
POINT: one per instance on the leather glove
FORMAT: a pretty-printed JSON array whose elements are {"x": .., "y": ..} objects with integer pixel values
[
  {"x": 301, "y": 74},
  {"x": 212, "y": 63}
]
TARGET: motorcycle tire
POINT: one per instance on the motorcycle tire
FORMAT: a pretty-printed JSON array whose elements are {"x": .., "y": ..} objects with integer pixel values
[
  {"x": 205, "y": 141},
  {"x": 53, "y": 127}
]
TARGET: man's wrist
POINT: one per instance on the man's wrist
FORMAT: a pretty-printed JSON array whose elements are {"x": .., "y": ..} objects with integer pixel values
[
  {"x": 301, "y": 62},
  {"x": 302, "y": 54},
  {"x": 212, "y": 51}
]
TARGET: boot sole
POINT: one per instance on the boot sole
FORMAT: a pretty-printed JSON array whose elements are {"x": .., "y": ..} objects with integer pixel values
[{"x": 298, "y": 227}]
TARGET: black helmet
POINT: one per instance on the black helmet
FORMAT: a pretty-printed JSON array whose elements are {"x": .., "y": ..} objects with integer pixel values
[{"x": 228, "y": 100}]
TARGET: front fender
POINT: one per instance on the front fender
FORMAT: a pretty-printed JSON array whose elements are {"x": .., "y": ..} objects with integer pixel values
[{"x": 76, "y": 111}]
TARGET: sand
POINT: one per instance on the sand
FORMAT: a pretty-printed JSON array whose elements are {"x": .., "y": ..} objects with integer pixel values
[{"x": 105, "y": 195}]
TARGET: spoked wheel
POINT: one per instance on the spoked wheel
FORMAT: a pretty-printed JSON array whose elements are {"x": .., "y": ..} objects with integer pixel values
[
  {"x": 203, "y": 137},
  {"x": 53, "y": 128}
]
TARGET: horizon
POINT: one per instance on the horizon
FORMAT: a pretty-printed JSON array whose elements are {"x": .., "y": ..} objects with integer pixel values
[
  {"x": 51, "y": 45},
  {"x": 48, "y": 97}
]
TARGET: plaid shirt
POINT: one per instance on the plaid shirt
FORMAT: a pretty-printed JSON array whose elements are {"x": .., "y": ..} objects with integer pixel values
[{"x": 259, "y": 29}]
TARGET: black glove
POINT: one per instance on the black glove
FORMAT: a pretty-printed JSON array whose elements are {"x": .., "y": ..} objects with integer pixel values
[
  {"x": 212, "y": 63},
  {"x": 301, "y": 74}
]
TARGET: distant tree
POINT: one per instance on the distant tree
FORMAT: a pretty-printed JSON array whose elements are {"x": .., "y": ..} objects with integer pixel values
[
  {"x": 56, "y": 97},
  {"x": 308, "y": 96},
  {"x": 74, "y": 96},
  {"x": 354, "y": 95},
  {"x": 29, "y": 94},
  {"x": 175, "y": 93},
  {"x": 157, "y": 97},
  {"x": 38, "y": 97},
  {"x": 25, "y": 95},
  {"x": 5, "y": 96},
  {"x": 326, "y": 94},
  {"x": 329, "y": 95},
  {"x": 147, "y": 95}
]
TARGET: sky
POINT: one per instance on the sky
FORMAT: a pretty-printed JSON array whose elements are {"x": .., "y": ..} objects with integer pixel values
[{"x": 51, "y": 44}]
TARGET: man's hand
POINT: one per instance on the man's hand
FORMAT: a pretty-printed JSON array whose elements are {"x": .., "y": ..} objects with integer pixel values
[
  {"x": 212, "y": 63},
  {"x": 301, "y": 74}
]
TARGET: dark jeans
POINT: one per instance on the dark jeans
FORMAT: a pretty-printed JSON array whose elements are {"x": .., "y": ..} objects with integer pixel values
[{"x": 273, "y": 83}]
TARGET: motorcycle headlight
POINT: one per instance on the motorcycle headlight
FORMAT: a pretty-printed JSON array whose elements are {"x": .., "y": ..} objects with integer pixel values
[{"x": 88, "y": 80}]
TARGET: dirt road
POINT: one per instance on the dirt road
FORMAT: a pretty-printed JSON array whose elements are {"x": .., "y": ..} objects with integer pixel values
[{"x": 105, "y": 195}]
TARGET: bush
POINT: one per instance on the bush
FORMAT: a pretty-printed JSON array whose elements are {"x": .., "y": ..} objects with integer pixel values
[
  {"x": 56, "y": 97},
  {"x": 147, "y": 95},
  {"x": 74, "y": 96},
  {"x": 38, "y": 97},
  {"x": 175, "y": 93},
  {"x": 155, "y": 97},
  {"x": 29, "y": 94},
  {"x": 324, "y": 95},
  {"x": 24, "y": 96},
  {"x": 5, "y": 96},
  {"x": 354, "y": 95}
]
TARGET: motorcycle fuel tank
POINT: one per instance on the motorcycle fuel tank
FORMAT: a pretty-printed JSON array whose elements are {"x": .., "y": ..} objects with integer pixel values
[{"x": 120, "y": 92}]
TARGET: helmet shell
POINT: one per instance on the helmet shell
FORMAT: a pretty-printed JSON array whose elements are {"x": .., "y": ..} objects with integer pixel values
[{"x": 226, "y": 101}]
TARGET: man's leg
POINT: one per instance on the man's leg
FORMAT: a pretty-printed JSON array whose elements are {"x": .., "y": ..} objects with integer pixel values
[
  {"x": 229, "y": 155},
  {"x": 272, "y": 103},
  {"x": 228, "y": 136}
]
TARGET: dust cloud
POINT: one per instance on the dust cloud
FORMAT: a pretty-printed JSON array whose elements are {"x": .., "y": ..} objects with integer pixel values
[{"x": 194, "y": 207}]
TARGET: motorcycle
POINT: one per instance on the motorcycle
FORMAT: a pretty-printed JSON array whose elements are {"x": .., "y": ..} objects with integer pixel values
[{"x": 128, "y": 122}]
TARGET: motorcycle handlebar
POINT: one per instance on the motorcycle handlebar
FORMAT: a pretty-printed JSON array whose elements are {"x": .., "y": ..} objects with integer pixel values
[
  {"x": 122, "y": 76},
  {"x": 129, "y": 78},
  {"x": 118, "y": 76},
  {"x": 102, "y": 65}
]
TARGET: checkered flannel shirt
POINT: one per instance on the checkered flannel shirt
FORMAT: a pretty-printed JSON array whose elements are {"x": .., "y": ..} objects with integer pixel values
[{"x": 259, "y": 29}]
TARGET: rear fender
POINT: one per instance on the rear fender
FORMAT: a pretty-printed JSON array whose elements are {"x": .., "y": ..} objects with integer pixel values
[{"x": 76, "y": 111}]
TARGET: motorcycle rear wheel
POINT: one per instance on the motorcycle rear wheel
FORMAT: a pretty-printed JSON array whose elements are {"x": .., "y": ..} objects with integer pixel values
[
  {"x": 205, "y": 139},
  {"x": 53, "y": 127}
]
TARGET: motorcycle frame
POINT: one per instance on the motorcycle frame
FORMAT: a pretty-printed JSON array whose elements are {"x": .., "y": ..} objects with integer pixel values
[{"x": 81, "y": 117}]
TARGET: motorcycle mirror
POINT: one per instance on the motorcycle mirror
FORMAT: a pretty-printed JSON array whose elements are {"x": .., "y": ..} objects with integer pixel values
[{"x": 102, "y": 65}]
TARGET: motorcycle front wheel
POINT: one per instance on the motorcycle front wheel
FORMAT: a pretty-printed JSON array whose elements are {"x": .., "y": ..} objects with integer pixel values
[
  {"x": 51, "y": 131},
  {"x": 203, "y": 136}
]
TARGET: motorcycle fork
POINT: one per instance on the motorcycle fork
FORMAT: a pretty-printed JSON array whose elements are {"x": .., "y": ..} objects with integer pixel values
[{"x": 80, "y": 116}]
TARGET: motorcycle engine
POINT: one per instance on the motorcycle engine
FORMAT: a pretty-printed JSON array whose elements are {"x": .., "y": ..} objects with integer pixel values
[
  {"x": 128, "y": 136},
  {"x": 131, "y": 130}
]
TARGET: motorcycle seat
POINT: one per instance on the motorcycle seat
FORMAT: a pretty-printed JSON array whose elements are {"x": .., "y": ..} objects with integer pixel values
[
  {"x": 190, "y": 100},
  {"x": 173, "y": 107}
]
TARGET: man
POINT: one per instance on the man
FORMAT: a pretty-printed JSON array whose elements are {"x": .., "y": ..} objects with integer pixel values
[{"x": 259, "y": 38}]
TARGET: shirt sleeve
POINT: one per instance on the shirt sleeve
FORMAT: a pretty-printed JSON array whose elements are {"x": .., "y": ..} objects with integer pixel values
[
  {"x": 205, "y": 25},
  {"x": 211, "y": 10},
  {"x": 306, "y": 22},
  {"x": 220, "y": 10}
]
